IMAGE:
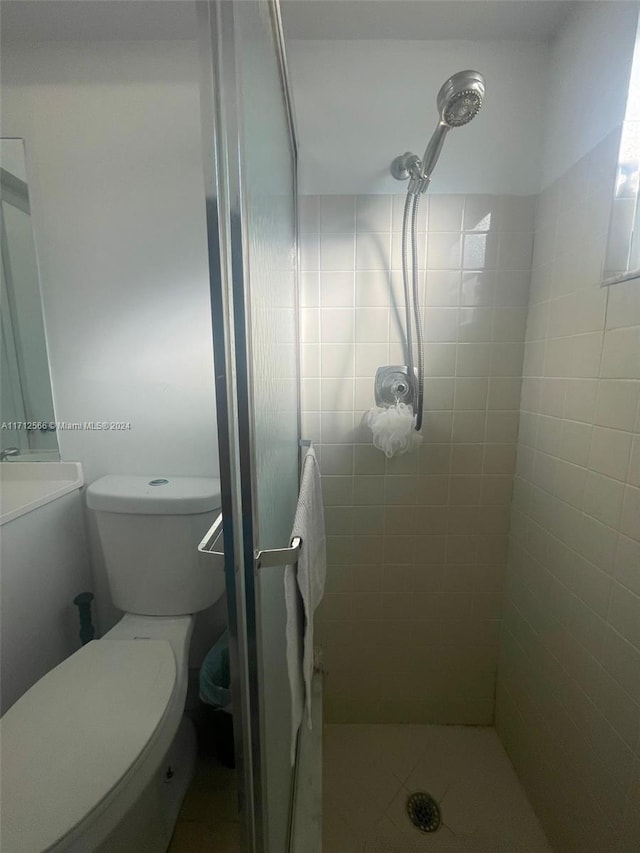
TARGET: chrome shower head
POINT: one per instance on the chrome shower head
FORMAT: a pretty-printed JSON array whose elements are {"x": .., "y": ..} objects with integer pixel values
[{"x": 460, "y": 98}]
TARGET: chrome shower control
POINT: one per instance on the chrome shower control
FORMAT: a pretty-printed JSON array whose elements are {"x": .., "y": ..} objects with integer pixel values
[{"x": 393, "y": 385}]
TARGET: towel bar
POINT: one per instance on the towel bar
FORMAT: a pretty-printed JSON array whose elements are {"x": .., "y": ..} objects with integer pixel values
[{"x": 211, "y": 542}]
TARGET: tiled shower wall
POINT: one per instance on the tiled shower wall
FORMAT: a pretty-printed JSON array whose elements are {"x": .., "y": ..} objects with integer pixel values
[
  {"x": 568, "y": 702},
  {"x": 417, "y": 545}
]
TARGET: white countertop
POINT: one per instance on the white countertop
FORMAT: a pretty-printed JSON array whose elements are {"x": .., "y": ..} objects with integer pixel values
[{"x": 25, "y": 486}]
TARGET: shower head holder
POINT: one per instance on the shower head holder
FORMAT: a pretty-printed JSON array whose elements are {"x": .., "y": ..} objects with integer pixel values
[{"x": 408, "y": 167}]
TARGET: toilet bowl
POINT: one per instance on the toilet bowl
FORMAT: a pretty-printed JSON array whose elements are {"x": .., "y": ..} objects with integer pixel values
[{"x": 97, "y": 755}]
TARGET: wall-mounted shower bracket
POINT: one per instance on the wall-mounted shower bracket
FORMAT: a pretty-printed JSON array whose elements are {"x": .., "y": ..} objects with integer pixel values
[
  {"x": 409, "y": 167},
  {"x": 405, "y": 165},
  {"x": 393, "y": 385}
]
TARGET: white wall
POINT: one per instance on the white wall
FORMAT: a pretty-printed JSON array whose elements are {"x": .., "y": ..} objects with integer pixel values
[
  {"x": 590, "y": 65},
  {"x": 114, "y": 163},
  {"x": 360, "y": 103}
]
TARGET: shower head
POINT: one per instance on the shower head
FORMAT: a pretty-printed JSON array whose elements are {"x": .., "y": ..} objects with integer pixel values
[{"x": 460, "y": 98}]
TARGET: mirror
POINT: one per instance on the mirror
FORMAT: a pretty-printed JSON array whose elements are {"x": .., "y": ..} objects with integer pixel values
[
  {"x": 622, "y": 260},
  {"x": 26, "y": 403}
]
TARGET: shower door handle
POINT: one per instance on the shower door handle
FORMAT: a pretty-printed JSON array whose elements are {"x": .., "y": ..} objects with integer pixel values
[
  {"x": 279, "y": 556},
  {"x": 211, "y": 545}
]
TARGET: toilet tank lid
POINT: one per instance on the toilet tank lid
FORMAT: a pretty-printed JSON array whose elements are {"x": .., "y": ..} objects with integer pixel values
[{"x": 154, "y": 494}]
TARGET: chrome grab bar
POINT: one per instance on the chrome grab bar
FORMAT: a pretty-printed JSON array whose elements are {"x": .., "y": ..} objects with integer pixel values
[{"x": 264, "y": 559}]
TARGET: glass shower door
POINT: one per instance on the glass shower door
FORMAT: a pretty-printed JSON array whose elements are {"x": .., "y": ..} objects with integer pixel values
[{"x": 250, "y": 166}]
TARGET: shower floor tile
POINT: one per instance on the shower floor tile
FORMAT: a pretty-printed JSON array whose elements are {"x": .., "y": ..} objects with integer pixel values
[
  {"x": 208, "y": 821},
  {"x": 370, "y": 770}
]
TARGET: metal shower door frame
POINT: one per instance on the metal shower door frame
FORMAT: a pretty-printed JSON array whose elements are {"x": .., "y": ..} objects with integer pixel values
[{"x": 221, "y": 120}]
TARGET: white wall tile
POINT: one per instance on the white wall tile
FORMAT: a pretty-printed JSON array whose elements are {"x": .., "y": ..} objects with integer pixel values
[
  {"x": 337, "y": 214},
  {"x": 373, "y": 251},
  {"x": 374, "y": 288},
  {"x": 480, "y": 251},
  {"x": 617, "y": 403},
  {"x": 603, "y": 498},
  {"x": 337, "y": 395},
  {"x": 336, "y": 289},
  {"x": 373, "y": 213},
  {"x": 336, "y": 325},
  {"x": 444, "y": 250},
  {"x": 623, "y": 308},
  {"x": 517, "y": 213},
  {"x": 484, "y": 213},
  {"x": 471, "y": 392},
  {"x": 630, "y": 524},
  {"x": 478, "y": 288},
  {"x": 633, "y": 474},
  {"x": 441, "y": 324},
  {"x": 506, "y": 359},
  {"x": 515, "y": 251},
  {"x": 372, "y": 325},
  {"x": 443, "y": 288},
  {"x": 309, "y": 252},
  {"x": 439, "y": 359},
  {"x": 337, "y": 252},
  {"x": 309, "y": 214},
  {"x": 570, "y": 661},
  {"x": 475, "y": 324},
  {"x": 512, "y": 288},
  {"x": 337, "y": 360},
  {"x": 504, "y": 392},
  {"x": 621, "y": 354},
  {"x": 446, "y": 505},
  {"x": 369, "y": 357},
  {"x": 468, "y": 427},
  {"x": 309, "y": 290},
  {"x": 438, "y": 393},
  {"x": 610, "y": 452},
  {"x": 445, "y": 212}
]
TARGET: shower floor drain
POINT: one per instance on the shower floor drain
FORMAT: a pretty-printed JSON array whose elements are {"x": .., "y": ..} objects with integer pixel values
[{"x": 423, "y": 812}]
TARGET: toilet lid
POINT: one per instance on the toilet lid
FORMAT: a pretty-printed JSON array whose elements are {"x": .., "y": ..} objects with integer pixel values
[{"x": 73, "y": 736}]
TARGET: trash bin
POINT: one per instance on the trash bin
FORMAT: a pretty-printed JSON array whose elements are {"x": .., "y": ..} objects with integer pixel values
[{"x": 216, "y": 729}]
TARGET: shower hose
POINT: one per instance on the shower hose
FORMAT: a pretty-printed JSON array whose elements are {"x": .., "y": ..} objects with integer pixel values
[{"x": 412, "y": 298}]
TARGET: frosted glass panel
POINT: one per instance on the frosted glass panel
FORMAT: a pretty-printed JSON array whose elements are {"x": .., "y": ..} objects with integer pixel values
[{"x": 269, "y": 227}]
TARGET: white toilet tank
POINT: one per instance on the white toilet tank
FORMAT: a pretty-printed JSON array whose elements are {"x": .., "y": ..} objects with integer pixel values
[{"x": 149, "y": 530}]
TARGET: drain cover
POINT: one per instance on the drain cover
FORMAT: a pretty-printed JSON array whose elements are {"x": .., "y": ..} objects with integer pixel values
[{"x": 423, "y": 812}]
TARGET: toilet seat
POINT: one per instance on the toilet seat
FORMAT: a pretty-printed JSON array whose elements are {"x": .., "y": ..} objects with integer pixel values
[{"x": 71, "y": 740}]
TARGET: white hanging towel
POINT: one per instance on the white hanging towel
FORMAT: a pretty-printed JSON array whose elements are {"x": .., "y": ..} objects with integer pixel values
[
  {"x": 294, "y": 631},
  {"x": 310, "y": 576}
]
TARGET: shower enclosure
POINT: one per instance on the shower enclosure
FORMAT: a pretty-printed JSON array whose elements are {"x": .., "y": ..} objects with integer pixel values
[{"x": 249, "y": 153}]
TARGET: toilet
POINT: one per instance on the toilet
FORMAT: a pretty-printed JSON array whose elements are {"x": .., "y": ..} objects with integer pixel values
[{"x": 98, "y": 754}]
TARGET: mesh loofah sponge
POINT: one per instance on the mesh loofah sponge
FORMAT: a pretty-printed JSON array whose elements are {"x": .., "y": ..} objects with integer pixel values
[{"x": 393, "y": 429}]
